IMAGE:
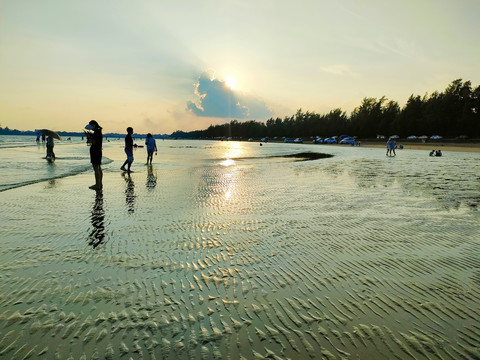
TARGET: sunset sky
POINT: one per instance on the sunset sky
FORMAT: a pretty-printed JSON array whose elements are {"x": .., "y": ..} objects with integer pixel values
[{"x": 161, "y": 66}]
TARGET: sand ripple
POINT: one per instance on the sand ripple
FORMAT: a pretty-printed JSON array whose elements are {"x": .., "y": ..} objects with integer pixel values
[{"x": 352, "y": 257}]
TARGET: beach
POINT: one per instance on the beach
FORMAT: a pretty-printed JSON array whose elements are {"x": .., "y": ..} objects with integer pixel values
[
  {"x": 229, "y": 250},
  {"x": 450, "y": 146}
]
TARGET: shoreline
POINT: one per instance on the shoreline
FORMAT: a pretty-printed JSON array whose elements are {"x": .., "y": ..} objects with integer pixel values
[
  {"x": 446, "y": 145},
  {"x": 465, "y": 147}
]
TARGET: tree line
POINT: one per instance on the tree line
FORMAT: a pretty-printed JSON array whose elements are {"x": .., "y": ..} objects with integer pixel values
[{"x": 452, "y": 113}]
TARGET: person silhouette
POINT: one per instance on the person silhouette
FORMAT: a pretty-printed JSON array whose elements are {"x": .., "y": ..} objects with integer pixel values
[
  {"x": 151, "y": 147},
  {"x": 94, "y": 138},
  {"x": 128, "y": 150},
  {"x": 50, "y": 145}
]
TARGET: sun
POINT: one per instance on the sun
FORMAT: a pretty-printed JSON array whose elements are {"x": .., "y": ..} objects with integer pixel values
[{"x": 230, "y": 82}]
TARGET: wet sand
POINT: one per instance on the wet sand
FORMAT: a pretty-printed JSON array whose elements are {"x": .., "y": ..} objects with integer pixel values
[{"x": 357, "y": 256}]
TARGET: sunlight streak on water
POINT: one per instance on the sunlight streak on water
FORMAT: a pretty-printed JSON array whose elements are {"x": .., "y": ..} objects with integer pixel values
[
  {"x": 233, "y": 149},
  {"x": 228, "y": 162}
]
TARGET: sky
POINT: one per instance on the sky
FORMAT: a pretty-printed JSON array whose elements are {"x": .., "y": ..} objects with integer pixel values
[{"x": 161, "y": 66}]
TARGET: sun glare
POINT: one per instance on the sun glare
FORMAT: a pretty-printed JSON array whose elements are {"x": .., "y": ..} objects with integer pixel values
[
  {"x": 233, "y": 149},
  {"x": 228, "y": 162},
  {"x": 230, "y": 82}
]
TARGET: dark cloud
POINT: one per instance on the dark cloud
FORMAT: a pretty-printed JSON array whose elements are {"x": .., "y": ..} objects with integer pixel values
[{"x": 216, "y": 99}]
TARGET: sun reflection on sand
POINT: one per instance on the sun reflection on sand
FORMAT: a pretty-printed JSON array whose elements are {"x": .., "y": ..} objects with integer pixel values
[
  {"x": 227, "y": 180},
  {"x": 229, "y": 185}
]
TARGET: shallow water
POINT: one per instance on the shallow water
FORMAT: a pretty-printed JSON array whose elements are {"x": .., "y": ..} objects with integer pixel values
[{"x": 225, "y": 250}]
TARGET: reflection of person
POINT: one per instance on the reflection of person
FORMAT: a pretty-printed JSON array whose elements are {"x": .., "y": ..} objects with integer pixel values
[
  {"x": 129, "y": 193},
  {"x": 151, "y": 178},
  {"x": 95, "y": 140},
  {"x": 128, "y": 150},
  {"x": 151, "y": 147},
  {"x": 97, "y": 235},
  {"x": 50, "y": 145}
]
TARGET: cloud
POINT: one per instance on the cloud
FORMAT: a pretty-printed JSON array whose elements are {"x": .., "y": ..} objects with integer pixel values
[{"x": 216, "y": 99}]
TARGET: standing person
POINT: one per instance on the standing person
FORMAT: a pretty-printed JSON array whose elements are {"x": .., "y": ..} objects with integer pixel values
[
  {"x": 50, "y": 145},
  {"x": 95, "y": 141},
  {"x": 389, "y": 146},
  {"x": 128, "y": 150},
  {"x": 151, "y": 147},
  {"x": 38, "y": 138}
]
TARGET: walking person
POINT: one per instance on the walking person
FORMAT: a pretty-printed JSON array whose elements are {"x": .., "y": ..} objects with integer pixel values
[
  {"x": 94, "y": 138},
  {"x": 50, "y": 145},
  {"x": 151, "y": 147},
  {"x": 128, "y": 150},
  {"x": 389, "y": 144}
]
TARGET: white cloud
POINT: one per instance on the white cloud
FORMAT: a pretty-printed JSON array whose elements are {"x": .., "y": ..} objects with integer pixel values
[{"x": 214, "y": 98}]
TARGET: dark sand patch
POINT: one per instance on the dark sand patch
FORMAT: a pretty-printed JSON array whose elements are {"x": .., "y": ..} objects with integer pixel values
[{"x": 305, "y": 156}]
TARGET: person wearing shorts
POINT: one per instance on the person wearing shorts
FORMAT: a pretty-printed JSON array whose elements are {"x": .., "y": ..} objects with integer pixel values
[
  {"x": 151, "y": 147},
  {"x": 128, "y": 150},
  {"x": 95, "y": 141}
]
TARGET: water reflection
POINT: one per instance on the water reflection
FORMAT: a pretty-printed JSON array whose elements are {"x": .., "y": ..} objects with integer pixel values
[
  {"x": 51, "y": 173},
  {"x": 151, "y": 178},
  {"x": 451, "y": 182},
  {"x": 219, "y": 185},
  {"x": 227, "y": 162},
  {"x": 51, "y": 184},
  {"x": 129, "y": 193},
  {"x": 225, "y": 178},
  {"x": 233, "y": 150},
  {"x": 97, "y": 235}
]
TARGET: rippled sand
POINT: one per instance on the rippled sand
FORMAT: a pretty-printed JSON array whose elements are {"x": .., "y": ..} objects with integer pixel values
[{"x": 357, "y": 256}]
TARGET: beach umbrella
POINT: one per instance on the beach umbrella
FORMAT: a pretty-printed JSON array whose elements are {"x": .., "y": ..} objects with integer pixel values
[{"x": 50, "y": 133}]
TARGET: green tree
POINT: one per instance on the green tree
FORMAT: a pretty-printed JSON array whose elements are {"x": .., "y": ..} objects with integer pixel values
[{"x": 412, "y": 117}]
